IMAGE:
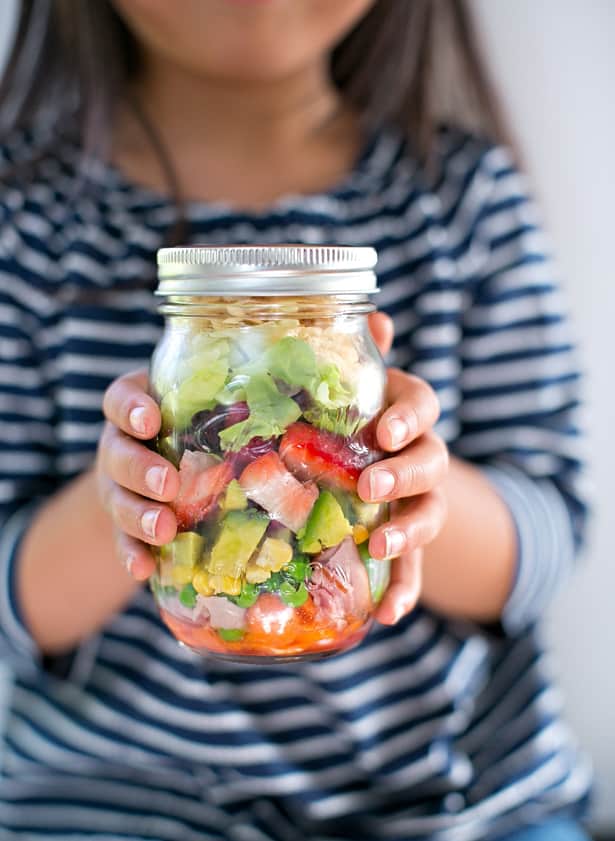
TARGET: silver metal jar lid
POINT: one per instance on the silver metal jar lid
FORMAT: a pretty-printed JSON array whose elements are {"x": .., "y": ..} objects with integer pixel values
[{"x": 266, "y": 270}]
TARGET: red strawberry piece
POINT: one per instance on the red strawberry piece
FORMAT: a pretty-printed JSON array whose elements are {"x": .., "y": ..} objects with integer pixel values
[
  {"x": 274, "y": 488},
  {"x": 202, "y": 478},
  {"x": 325, "y": 457}
]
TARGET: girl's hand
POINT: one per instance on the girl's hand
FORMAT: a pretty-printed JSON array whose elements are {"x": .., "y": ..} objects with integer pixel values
[
  {"x": 410, "y": 480},
  {"x": 133, "y": 481}
]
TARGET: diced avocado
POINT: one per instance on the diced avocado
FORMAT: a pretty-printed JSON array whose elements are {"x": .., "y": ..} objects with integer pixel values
[
  {"x": 185, "y": 550},
  {"x": 378, "y": 572},
  {"x": 326, "y": 525},
  {"x": 369, "y": 514},
  {"x": 179, "y": 559},
  {"x": 239, "y": 536},
  {"x": 234, "y": 498},
  {"x": 181, "y": 575}
]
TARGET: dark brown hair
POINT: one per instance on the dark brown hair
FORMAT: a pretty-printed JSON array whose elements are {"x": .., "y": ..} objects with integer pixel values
[{"x": 409, "y": 63}]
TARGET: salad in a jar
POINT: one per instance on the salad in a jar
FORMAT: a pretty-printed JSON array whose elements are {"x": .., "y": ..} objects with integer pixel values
[{"x": 270, "y": 425}]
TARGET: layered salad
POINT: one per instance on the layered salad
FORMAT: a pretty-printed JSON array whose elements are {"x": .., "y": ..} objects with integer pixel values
[{"x": 270, "y": 425}]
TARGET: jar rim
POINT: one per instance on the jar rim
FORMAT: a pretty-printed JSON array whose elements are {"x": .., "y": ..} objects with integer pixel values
[{"x": 266, "y": 270}]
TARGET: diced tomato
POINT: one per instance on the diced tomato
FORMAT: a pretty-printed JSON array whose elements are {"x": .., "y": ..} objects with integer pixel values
[
  {"x": 274, "y": 488},
  {"x": 270, "y": 621},
  {"x": 202, "y": 478},
  {"x": 325, "y": 457}
]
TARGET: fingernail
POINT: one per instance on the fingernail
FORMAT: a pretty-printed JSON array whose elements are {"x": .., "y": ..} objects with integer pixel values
[
  {"x": 128, "y": 561},
  {"x": 137, "y": 419},
  {"x": 401, "y": 611},
  {"x": 398, "y": 430},
  {"x": 149, "y": 520},
  {"x": 155, "y": 478},
  {"x": 381, "y": 483},
  {"x": 394, "y": 542}
]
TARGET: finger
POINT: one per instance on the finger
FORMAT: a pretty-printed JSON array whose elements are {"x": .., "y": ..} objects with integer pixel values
[
  {"x": 414, "y": 409},
  {"x": 416, "y": 470},
  {"x": 404, "y": 590},
  {"x": 381, "y": 328},
  {"x": 128, "y": 406},
  {"x": 133, "y": 466},
  {"x": 415, "y": 523},
  {"x": 135, "y": 556},
  {"x": 140, "y": 518}
]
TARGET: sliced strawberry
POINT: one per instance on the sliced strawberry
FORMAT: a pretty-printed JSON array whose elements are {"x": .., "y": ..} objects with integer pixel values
[
  {"x": 325, "y": 457},
  {"x": 274, "y": 488},
  {"x": 202, "y": 478}
]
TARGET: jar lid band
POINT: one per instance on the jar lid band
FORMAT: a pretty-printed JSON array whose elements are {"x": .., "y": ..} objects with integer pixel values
[{"x": 266, "y": 270}]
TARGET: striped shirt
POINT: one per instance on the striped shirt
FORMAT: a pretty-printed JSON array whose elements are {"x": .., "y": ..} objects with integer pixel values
[{"x": 432, "y": 729}]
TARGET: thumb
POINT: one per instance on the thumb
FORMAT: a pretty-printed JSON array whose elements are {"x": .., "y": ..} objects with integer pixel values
[{"x": 381, "y": 328}]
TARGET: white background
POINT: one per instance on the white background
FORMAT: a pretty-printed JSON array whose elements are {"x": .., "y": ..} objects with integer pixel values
[{"x": 555, "y": 61}]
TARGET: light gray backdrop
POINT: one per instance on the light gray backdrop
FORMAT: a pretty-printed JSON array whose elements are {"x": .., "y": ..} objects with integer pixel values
[{"x": 555, "y": 61}]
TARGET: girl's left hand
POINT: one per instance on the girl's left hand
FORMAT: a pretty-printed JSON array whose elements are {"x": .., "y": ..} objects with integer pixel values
[{"x": 411, "y": 480}]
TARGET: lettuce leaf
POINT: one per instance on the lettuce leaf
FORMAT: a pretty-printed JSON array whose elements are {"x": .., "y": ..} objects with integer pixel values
[
  {"x": 204, "y": 375},
  {"x": 293, "y": 361},
  {"x": 270, "y": 414}
]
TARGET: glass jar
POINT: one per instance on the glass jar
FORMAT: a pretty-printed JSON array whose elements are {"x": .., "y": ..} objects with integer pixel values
[{"x": 270, "y": 387}]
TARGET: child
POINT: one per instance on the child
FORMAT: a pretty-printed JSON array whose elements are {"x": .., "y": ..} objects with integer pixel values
[{"x": 131, "y": 124}]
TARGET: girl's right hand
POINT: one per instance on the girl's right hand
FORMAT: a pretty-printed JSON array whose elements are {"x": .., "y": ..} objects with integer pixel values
[{"x": 133, "y": 481}]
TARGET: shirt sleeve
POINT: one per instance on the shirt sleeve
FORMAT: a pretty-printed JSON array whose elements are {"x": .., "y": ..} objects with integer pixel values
[
  {"x": 27, "y": 445},
  {"x": 521, "y": 390}
]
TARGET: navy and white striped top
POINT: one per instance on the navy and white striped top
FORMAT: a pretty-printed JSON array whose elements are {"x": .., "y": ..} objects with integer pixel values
[{"x": 432, "y": 729}]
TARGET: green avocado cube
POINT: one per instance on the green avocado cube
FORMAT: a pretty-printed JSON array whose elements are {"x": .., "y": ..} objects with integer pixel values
[
  {"x": 239, "y": 537},
  {"x": 234, "y": 498},
  {"x": 326, "y": 526}
]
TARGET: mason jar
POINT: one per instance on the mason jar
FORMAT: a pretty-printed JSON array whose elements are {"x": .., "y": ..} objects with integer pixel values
[{"x": 270, "y": 388}]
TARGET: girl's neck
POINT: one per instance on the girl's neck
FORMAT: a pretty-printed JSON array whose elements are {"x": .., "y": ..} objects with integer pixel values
[{"x": 243, "y": 143}]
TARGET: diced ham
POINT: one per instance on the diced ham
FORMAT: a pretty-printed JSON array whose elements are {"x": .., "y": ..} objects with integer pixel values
[
  {"x": 222, "y": 613},
  {"x": 339, "y": 585}
]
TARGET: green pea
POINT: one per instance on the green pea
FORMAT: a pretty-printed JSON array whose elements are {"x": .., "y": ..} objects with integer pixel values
[
  {"x": 230, "y": 634},
  {"x": 273, "y": 583},
  {"x": 298, "y": 568},
  {"x": 248, "y": 595},
  {"x": 188, "y": 596},
  {"x": 293, "y": 595}
]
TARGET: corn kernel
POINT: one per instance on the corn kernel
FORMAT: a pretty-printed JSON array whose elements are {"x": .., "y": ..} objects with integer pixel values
[
  {"x": 202, "y": 584},
  {"x": 225, "y": 584},
  {"x": 359, "y": 533},
  {"x": 274, "y": 554},
  {"x": 256, "y": 575}
]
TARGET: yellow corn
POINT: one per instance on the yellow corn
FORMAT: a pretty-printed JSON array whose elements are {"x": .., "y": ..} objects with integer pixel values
[
  {"x": 224, "y": 584},
  {"x": 257, "y": 575},
  {"x": 359, "y": 533},
  {"x": 274, "y": 554},
  {"x": 202, "y": 584}
]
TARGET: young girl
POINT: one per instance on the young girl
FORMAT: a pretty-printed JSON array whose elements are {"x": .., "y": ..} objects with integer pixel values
[{"x": 131, "y": 124}]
